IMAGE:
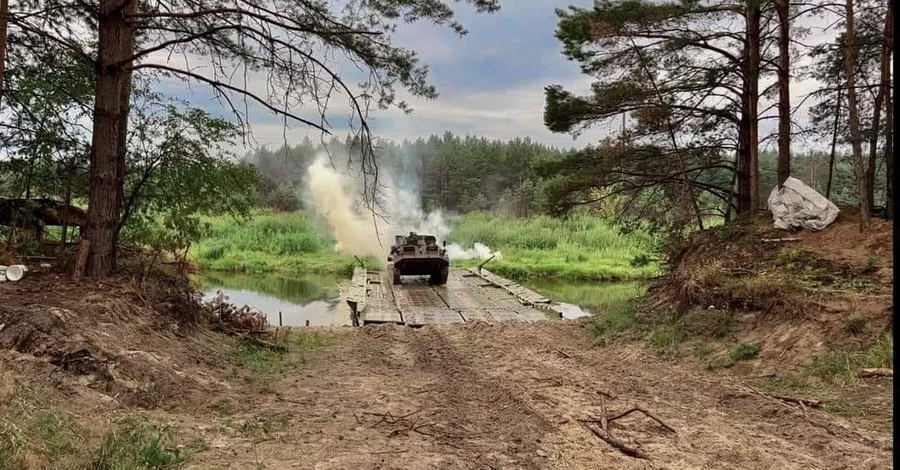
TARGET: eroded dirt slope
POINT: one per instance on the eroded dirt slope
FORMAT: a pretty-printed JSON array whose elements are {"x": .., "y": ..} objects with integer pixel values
[{"x": 510, "y": 396}]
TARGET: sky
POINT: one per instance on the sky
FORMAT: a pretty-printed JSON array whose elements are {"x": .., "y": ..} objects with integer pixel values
[{"x": 491, "y": 83}]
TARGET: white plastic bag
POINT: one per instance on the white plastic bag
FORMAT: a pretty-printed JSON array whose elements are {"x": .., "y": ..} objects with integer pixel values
[{"x": 796, "y": 205}]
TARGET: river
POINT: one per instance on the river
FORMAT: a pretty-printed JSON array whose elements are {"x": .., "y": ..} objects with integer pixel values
[{"x": 316, "y": 298}]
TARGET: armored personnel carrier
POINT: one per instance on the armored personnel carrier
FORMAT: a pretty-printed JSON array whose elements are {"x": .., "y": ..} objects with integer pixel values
[{"x": 419, "y": 255}]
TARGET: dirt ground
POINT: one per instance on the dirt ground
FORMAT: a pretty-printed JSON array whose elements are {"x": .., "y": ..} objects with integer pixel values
[
  {"x": 479, "y": 396},
  {"x": 476, "y": 396}
]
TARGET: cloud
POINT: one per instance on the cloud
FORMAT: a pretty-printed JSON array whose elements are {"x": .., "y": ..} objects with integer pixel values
[{"x": 491, "y": 83}]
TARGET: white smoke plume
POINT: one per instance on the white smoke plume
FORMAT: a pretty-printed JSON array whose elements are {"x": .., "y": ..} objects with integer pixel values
[
  {"x": 336, "y": 197},
  {"x": 479, "y": 251}
]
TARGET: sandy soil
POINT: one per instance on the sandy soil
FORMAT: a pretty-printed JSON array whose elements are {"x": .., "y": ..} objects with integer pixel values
[{"x": 479, "y": 396}]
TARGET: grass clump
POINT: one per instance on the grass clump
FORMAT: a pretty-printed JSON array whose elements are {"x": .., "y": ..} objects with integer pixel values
[
  {"x": 841, "y": 367},
  {"x": 615, "y": 319},
  {"x": 34, "y": 434},
  {"x": 581, "y": 247},
  {"x": 744, "y": 351},
  {"x": 137, "y": 444},
  {"x": 263, "y": 361},
  {"x": 269, "y": 242},
  {"x": 665, "y": 339}
]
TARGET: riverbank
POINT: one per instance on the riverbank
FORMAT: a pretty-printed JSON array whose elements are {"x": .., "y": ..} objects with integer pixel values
[
  {"x": 269, "y": 242},
  {"x": 581, "y": 248},
  {"x": 127, "y": 373},
  {"x": 150, "y": 392}
]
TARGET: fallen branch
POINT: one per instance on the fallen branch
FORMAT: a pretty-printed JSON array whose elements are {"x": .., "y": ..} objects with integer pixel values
[
  {"x": 800, "y": 401},
  {"x": 562, "y": 353},
  {"x": 780, "y": 240},
  {"x": 877, "y": 372},
  {"x": 604, "y": 393},
  {"x": 646, "y": 413},
  {"x": 615, "y": 443},
  {"x": 803, "y": 402}
]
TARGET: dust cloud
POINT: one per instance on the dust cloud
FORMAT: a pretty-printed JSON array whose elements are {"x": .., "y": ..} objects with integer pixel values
[{"x": 336, "y": 197}]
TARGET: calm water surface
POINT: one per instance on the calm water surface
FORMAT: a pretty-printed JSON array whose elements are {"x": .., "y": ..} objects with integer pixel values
[
  {"x": 580, "y": 299},
  {"x": 313, "y": 298},
  {"x": 316, "y": 298}
]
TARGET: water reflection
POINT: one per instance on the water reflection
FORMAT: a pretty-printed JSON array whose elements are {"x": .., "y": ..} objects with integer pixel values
[
  {"x": 312, "y": 298},
  {"x": 579, "y": 299},
  {"x": 316, "y": 298}
]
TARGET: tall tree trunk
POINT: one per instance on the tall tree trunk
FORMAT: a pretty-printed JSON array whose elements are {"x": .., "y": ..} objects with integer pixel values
[
  {"x": 116, "y": 45},
  {"x": 68, "y": 201},
  {"x": 124, "y": 110},
  {"x": 834, "y": 136},
  {"x": 877, "y": 110},
  {"x": 853, "y": 116},
  {"x": 784, "y": 91},
  {"x": 753, "y": 19},
  {"x": 4, "y": 19},
  {"x": 887, "y": 52}
]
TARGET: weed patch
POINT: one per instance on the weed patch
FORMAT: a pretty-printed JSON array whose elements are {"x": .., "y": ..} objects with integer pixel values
[
  {"x": 262, "y": 361},
  {"x": 611, "y": 321},
  {"x": 139, "y": 445},
  {"x": 666, "y": 338},
  {"x": 744, "y": 351},
  {"x": 35, "y": 435},
  {"x": 841, "y": 367}
]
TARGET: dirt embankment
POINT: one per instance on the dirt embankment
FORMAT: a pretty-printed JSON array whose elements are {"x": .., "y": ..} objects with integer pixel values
[
  {"x": 472, "y": 396},
  {"x": 798, "y": 294}
]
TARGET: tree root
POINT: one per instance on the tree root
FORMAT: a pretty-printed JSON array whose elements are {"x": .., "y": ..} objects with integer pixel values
[{"x": 600, "y": 426}]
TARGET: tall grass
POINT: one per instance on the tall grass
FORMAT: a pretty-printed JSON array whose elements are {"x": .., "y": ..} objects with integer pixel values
[
  {"x": 581, "y": 247},
  {"x": 268, "y": 241}
]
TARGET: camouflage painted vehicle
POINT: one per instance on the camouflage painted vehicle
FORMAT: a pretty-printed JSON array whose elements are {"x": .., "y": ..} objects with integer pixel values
[{"x": 419, "y": 255}]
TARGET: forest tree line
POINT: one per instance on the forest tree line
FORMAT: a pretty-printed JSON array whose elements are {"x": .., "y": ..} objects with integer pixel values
[
  {"x": 84, "y": 113},
  {"x": 517, "y": 177}
]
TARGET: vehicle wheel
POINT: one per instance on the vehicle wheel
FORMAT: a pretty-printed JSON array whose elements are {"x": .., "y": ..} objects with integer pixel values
[
  {"x": 396, "y": 276},
  {"x": 439, "y": 278}
]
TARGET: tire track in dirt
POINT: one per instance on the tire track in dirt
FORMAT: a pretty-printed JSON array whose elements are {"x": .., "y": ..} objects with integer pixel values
[
  {"x": 491, "y": 425},
  {"x": 719, "y": 421},
  {"x": 507, "y": 396}
]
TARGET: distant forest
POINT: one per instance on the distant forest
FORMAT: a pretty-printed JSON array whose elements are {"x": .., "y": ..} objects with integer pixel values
[{"x": 516, "y": 177}]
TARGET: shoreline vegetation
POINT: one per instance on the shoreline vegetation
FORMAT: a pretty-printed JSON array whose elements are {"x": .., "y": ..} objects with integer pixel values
[{"x": 580, "y": 248}]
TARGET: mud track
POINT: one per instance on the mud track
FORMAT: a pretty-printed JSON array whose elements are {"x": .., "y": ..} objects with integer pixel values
[{"x": 509, "y": 395}]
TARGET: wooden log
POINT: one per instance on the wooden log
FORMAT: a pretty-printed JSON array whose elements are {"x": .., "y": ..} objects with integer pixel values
[
  {"x": 81, "y": 261},
  {"x": 877, "y": 372}
]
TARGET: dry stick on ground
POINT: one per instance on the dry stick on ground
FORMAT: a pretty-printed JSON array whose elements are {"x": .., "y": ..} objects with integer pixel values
[
  {"x": 780, "y": 240},
  {"x": 803, "y": 402},
  {"x": 877, "y": 372},
  {"x": 617, "y": 444},
  {"x": 603, "y": 431},
  {"x": 646, "y": 413}
]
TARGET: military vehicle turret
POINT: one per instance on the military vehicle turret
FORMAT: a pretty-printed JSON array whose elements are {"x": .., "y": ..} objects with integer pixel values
[{"x": 419, "y": 255}]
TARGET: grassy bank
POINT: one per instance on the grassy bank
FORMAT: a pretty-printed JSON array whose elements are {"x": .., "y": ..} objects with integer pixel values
[
  {"x": 35, "y": 433},
  {"x": 579, "y": 248},
  {"x": 269, "y": 242}
]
